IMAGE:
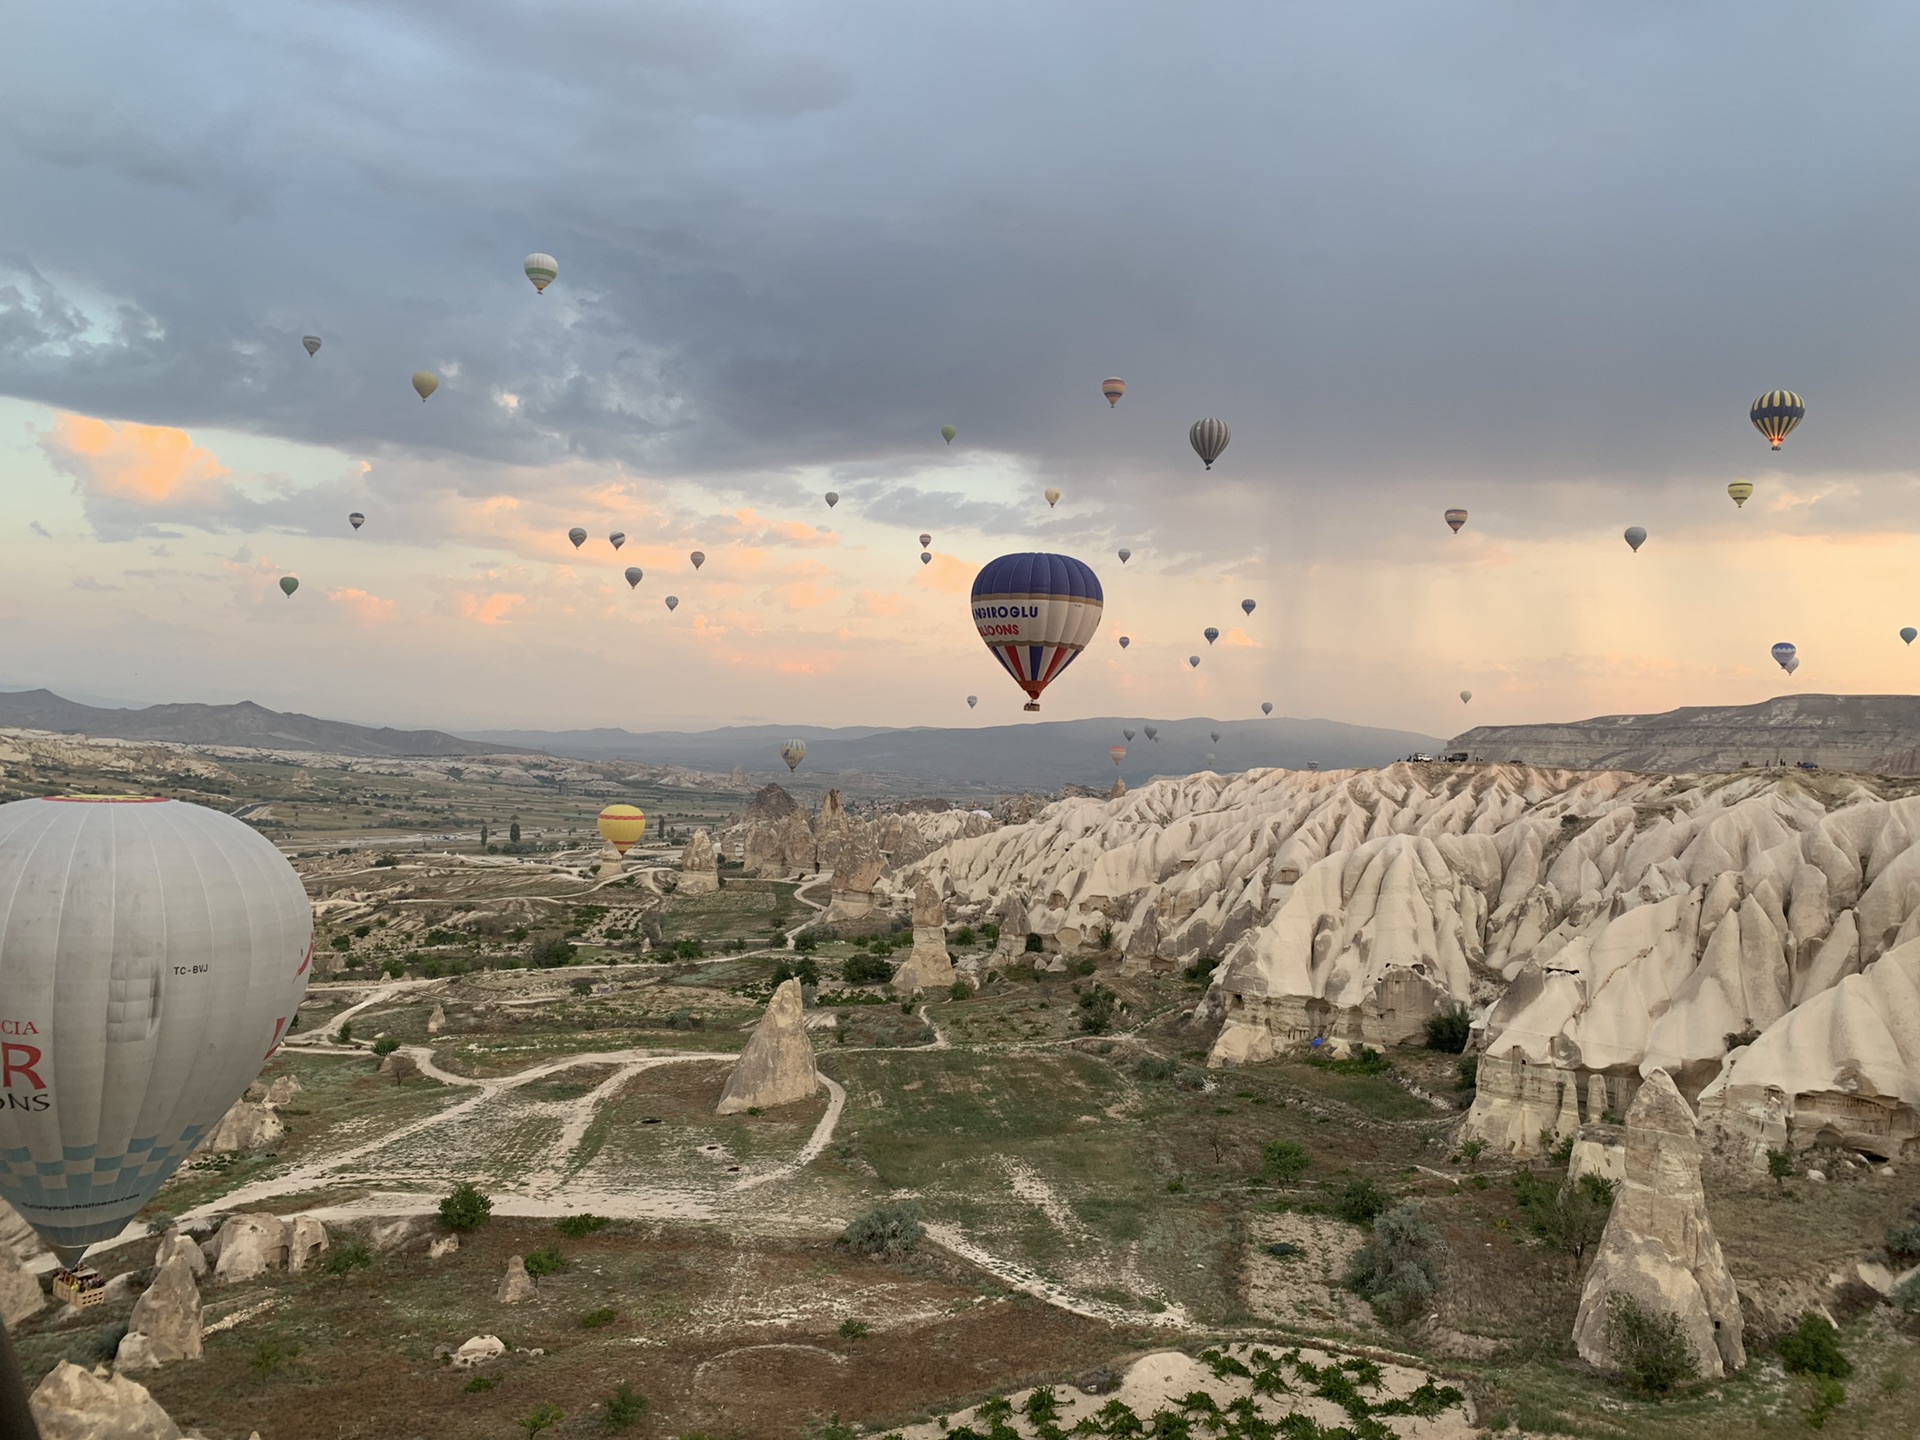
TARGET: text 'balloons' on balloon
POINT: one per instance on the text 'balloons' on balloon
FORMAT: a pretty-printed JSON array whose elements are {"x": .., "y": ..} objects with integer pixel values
[
  {"x": 1455, "y": 519},
  {"x": 1740, "y": 491},
  {"x": 356, "y": 519},
  {"x": 926, "y": 541},
  {"x": 972, "y": 700},
  {"x": 621, "y": 826},
  {"x": 1246, "y": 607},
  {"x": 793, "y": 752},
  {"x": 1193, "y": 661},
  {"x": 425, "y": 382},
  {"x": 1208, "y": 438},
  {"x": 1036, "y": 612},
  {"x": 1784, "y": 653},
  {"x": 155, "y": 952},
  {"x": 288, "y": 584},
  {"x": 1052, "y": 496},
  {"x": 617, "y": 539},
  {"x": 1909, "y": 634},
  {"x": 947, "y": 432},
  {"x": 698, "y": 558},
  {"x": 832, "y": 498},
  {"x": 1465, "y": 696},
  {"x": 578, "y": 536},
  {"x": 635, "y": 575},
  {"x": 1125, "y": 641},
  {"x": 1211, "y": 633},
  {"x": 1125, "y": 555},
  {"x": 1635, "y": 536},
  {"x": 312, "y": 342},
  {"x": 1775, "y": 414},
  {"x": 1113, "y": 387},
  {"x": 1119, "y": 753},
  {"x": 542, "y": 270},
  {"x": 673, "y": 602},
  {"x": 1266, "y": 707}
]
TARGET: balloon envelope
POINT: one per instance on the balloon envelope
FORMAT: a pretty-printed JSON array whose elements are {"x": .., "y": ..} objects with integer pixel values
[
  {"x": 617, "y": 539},
  {"x": 425, "y": 382},
  {"x": 1119, "y": 753},
  {"x": 1125, "y": 555},
  {"x": 542, "y": 270},
  {"x": 577, "y": 536},
  {"x": 833, "y": 498},
  {"x": 1053, "y": 496},
  {"x": 1125, "y": 641},
  {"x": 1036, "y": 612},
  {"x": 1909, "y": 634},
  {"x": 1214, "y": 735},
  {"x": 673, "y": 602},
  {"x": 925, "y": 541},
  {"x": 1783, "y": 652},
  {"x": 1465, "y": 696},
  {"x": 925, "y": 559},
  {"x": 312, "y": 342},
  {"x": 356, "y": 519},
  {"x": 698, "y": 558},
  {"x": 1153, "y": 732},
  {"x": 1113, "y": 387},
  {"x": 1209, "y": 438},
  {"x": 635, "y": 575},
  {"x": 1455, "y": 519},
  {"x": 972, "y": 700},
  {"x": 1211, "y": 634},
  {"x": 1266, "y": 707},
  {"x": 1635, "y": 536},
  {"x": 1194, "y": 661},
  {"x": 288, "y": 584},
  {"x": 793, "y": 752},
  {"x": 152, "y": 954},
  {"x": 1128, "y": 733},
  {"x": 947, "y": 432},
  {"x": 1246, "y": 606},
  {"x": 621, "y": 826},
  {"x": 1776, "y": 413},
  {"x": 1740, "y": 491}
]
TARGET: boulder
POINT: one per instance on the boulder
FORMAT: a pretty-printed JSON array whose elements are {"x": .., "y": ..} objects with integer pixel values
[
  {"x": 178, "y": 1242},
  {"x": 248, "y": 1246},
  {"x": 1119, "y": 789},
  {"x": 76, "y": 1404},
  {"x": 20, "y": 1292},
  {"x": 395, "y": 1233},
  {"x": 776, "y": 1068},
  {"x": 479, "y": 1350},
  {"x": 165, "y": 1325},
  {"x": 282, "y": 1090},
  {"x": 306, "y": 1241},
  {"x": 442, "y": 1246},
  {"x": 1659, "y": 1247},
  {"x": 516, "y": 1285},
  {"x": 249, "y": 1126}
]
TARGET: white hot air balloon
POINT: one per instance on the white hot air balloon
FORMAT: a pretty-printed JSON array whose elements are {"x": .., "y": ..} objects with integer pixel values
[
  {"x": 542, "y": 270},
  {"x": 793, "y": 752},
  {"x": 152, "y": 953},
  {"x": 1052, "y": 496},
  {"x": 312, "y": 343},
  {"x": 1465, "y": 696}
]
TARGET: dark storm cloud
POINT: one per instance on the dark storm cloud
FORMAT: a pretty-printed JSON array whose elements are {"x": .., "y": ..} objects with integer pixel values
[{"x": 1414, "y": 254}]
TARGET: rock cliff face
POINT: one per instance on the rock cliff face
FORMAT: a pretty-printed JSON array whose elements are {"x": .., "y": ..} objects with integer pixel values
[
  {"x": 777, "y": 838},
  {"x": 1872, "y": 733},
  {"x": 1598, "y": 926}
]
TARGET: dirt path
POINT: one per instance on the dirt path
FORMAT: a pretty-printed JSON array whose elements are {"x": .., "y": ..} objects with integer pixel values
[{"x": 950, "y": 1237}]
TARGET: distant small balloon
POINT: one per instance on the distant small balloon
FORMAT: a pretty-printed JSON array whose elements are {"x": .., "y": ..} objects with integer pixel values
[
  {"x": 698, "y": 558},
  {"x": 1776, "y": 413},
  {"x": 425, "y": 382},
  {"x": 1740, "y": 492},
  {"x": 793, "y": 752},
  {"x": 1125, "y": 641},
  {"x": 1113, "y": 387},
  {"x": 617, "y": 539},
  {"x": 925, "y": 558},
  {"x": 972, "y": 700},
  {"x": 1153, "y": 732},
  {"x": 1635, "y": 537},
  {"x": 1209, "y": 438},
  {"x": 1793, "y": 663},
  {"x": 1266, "y": 707},
  {"x": 1909, "y": 634},
  {"x": 312, "y": 342},
  {"x": 635, "y": 575},
  {"x": 1126, "y": 731},
  {"x": 673, "y": 602},
  {"x": 1784, "y": 655},
  {"x": 1053, "y": 496},
  {"x": 947, "y": 432},
  {"x": 1465, "y": 696},
  {"x": 356, "y": 519},
  {"x": 1214, "y": 735},
  {"x": 1119, "y": 753},
  {"x": 288, "y": 585},
  {"x": 1194, "y": 661},
  {"x": 833, "y": 498},
  {"x": 1246, "y": 606},
  {"x": 1125, "y": 555},
  {"x": 1455, "y": 519},
  {"x": 1211, "y": 633},
  {"x": 925, "y": 541},
  {"x": 577, "y": 536},
  {"x": 542, "y": 270}
]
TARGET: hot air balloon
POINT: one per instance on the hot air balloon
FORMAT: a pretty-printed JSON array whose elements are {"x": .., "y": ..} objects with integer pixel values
[
  {"x": 1776, "y": 413},
  {"x": 1194, "y": 661},
  {"x": 542, "y": 270},
  {"x": 1783, "y": 653},
  {"x": 635, "y": 575},
  {"x": 1052, "y": 496},
  {"x": 621, "y": 826},
  {"x": 673, "y": 602},
  {"x": 425, "y": 382},
  {"x": 1209, "y": 438},
  {"x": 833, "y": 498},
  {"x": 577, "y": 536},
  {"x": 356, "y": 519},
  {"x": 1153, "y": 732},
  {"x": 698, "y": 558},
  {"x": 1211, "y": 633},
  {"x": 793, "y": 752},
  {"x": 1113, "y": 387},
  {"x": 947, "y": 432},
  {"x": 1214, "y": 735},
  {"x": 1793, "y": 664},
  {"x": 617, "y": 539},
  {"x": 972, "y": 700},
  {"x": 1741, "y": 491},
  {"x": 1126, "y": 731},
  {"x": 1246, "y": 607},
  {"x": 154, "y": 953},
  {"x": 288, "y": 584},
  {"x": 1909, "y": 634},
  {"x": 1635, "y": 536},
  {"x": 1036, "y": 613},
  {"x": 1455, "y": 519},
  {"x": 925, "y": 541},
  {"x": 1266, "y": 707},
  {"x": 925, "y": 558},
  {"x": 312, "y": 342},
  {"x": 1125, "y": 641},
  {"x": 1125, "y": 555},
  {"x": 1465, "y": 696},
  {"x": 1119, "y": 753}
]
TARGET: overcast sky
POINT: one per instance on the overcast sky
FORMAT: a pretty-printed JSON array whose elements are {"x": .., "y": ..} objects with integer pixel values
[{"x": 1531, "y": 260}]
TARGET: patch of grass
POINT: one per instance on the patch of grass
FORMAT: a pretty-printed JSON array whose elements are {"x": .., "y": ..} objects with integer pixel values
[
  {"x": 599, "y": 1319},
  {"x": 480, "y": 1384},
  {"x": 578, "y": 1227},
  {"x": 625, "y": 1407},
  {"x": 351, "y": 1255}
]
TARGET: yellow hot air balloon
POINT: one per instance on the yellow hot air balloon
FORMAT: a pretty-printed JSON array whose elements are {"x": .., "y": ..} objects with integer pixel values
[
  {"x": 621, "y": 826},
  {"x": 1741, "y": 491},
  {"x": 425, "y": 382}
]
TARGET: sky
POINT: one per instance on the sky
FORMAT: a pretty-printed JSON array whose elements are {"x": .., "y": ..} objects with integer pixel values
[{"x": 1531, "y": 260}]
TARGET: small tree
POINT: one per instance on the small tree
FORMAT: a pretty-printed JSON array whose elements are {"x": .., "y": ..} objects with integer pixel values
[
  {"x": 466, "y": 1208},
  {"x": 1812, "y": 1347},
  {"x": 544, "y": 1418},
  {"x": 1394, "y": 1270},
  {"x": 513, "y": 830},
  {"x": 1781, "y": 1167},
  {"x": 1282, "y": 1160},
  {"x": 1449, "y": 1030},
  {"x": 625, "y": 1407},
  {"x": 1648, "y": 1345},
  {"x": 385, "y": 1045},
  {"x": 1361, "y": 1202}
]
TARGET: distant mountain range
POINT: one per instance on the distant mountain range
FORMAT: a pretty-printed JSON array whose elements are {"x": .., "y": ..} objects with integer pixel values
[
  {"x": 1043, "y": 755},
  {"x": 242, "y": 724},
  {"x": 1875, "y": 733}
]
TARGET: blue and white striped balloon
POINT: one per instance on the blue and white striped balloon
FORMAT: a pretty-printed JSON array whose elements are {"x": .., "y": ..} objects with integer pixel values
[{"x": 1036, "y": 613}]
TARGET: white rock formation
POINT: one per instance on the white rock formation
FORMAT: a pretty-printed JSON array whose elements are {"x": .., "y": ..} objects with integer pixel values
[
  {"x": 76, "y": 1404},
  {"x": 250, "y": 1125},
  {"x": 20, "y": 1292},
  {"x": 165, "y": 1325},
  {"x": 516, "y": 1285},
  {"x": 282, "y": 1090},
  {"x": 442, "y": 1246},
  {"x": 699, "y": 865},
  {"x": 776, "y": 1068},
  {"x": 178, "y": 1242},
  {"x": 928, "y": 967},
  {"x": 1598, "y": 925},
  {"x": 479, "y": 1350},
  {"x": 248, "y": 1246},
  {"x": 437, "y": 1019},
  {"x": 1659, "y": 1246}
]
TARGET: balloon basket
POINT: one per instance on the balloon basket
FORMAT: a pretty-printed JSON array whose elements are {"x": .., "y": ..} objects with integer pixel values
[
  {"x": 80, "y": 1288},
  {"x": 1031, "y": 705}
]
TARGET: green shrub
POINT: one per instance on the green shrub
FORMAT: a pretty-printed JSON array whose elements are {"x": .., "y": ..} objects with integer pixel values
[
  {"x": 963, "y": 937},
  {"x": 353, "y": 1255},
  {"x": 549, "y": 952},
  {"x": 1466, "y": 1075},
  {"x": 959, "y": 990},
  {"x": 1361, "y": 1202},
  {"x": 1096, "y": 1010},
  {"x": 1368, "y": 1062},
  {"x": 1394, "y": 1270},
  {"x": 346, "y": 1033},
  {"x": 545, "y": 1417},
  {"x": 545, "y": 1261},
  {"x": 1449, "y": 1030},
  {"x": 1201, "y": 970},
  {"x": 480, "y": 1384},
  {"x": 1903, "y": 1241},
  {"x": 269, "y": 1355},
  {"x": 1648, "y": 1345},
  {"x": 578, "y": 1227},
  {"x": 599, "y": 1319},
  {"x": 806, "y": 944},
  {"x": 1155, "y": 1067},
  {"x": 888, "y": 1231},
  {"x": 1282, "y": 1160},
  {"x": 854, "y": 1330},
  {"x": 1813, "y": 1348},
  {"x": 866, "y": 970},
  {"x": 1781, "y": 1167},
  {"x": 625, "y": 1406},
  {"x": 1906, "y": 1295},
  {"x": 1828, "y": 1396},
  {"x": 386, "y": 1045},
  {"x": 805, "y": 970},
  {"x": 466, "y": 1208},
  {"x": 1035, "y": 945}
]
